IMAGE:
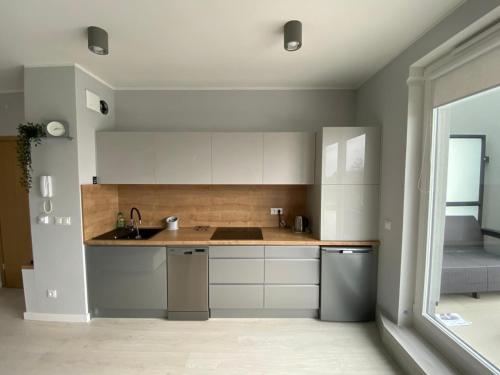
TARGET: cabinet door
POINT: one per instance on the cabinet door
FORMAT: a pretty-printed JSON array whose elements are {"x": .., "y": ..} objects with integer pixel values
[
  {"x": 126, "y": 278},
  {"x": 351, "y": 155},
  {"x": 349, "y": 212},
  {"x": 183, "y": 158},
  {"x": 237, "y": 158},
  {"x": 291, "y": 297},
  {"x": 236, "y": 296},
  {"x": 236, "y": 271},
  {"x": 292, "y": 271},
  {"x": 289, "y": 158},
  {"x": 125, "y": 158}
]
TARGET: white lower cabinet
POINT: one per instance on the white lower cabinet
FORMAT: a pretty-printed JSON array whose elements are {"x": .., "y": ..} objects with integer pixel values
[
  {"x": 236, "y": 296},
  {"x": 291, "y": 296}
]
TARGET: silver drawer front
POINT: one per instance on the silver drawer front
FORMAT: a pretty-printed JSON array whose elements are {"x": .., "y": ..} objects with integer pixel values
[
  {"x": 236, "y": 296},
  {"x": 293, "y": 252},
  {"x": 292, "y": 271},
  {"x": 291, "y": 297},
  {"x": 236, "y": 251},
  {"x": 236, "y": 271}
]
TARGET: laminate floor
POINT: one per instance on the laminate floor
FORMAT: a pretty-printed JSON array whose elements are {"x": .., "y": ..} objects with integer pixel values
[{"x": 218, "y": 346}]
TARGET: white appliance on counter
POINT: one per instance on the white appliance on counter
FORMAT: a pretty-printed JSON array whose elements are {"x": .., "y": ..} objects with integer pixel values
[{"x": 172, "y": 222}]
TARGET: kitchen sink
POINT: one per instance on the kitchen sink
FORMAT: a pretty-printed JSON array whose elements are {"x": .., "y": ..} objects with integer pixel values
[
  {"x": 128, "y": 234},
  {"x": 237, "y": 233}
]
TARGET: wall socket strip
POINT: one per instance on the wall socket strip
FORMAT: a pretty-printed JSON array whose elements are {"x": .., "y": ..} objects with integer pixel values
[{"x": 276, "y": 211}]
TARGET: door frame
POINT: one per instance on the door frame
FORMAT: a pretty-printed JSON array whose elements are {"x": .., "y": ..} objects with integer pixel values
[
  {"x": 421, "y": 92},
  {"x": 4, "y": 138},
  {"x": 3, "y": 279},
  {"x": 479, "y": 203}
]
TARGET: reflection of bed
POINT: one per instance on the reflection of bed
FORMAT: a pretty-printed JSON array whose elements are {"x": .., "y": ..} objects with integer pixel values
[{"x": 467, "y": 266}]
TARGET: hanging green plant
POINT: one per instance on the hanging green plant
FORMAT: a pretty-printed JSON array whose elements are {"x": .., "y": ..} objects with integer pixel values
[{"x": 28, "y": 134}]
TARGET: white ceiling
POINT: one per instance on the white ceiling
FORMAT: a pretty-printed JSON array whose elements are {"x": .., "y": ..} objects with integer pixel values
[{"x": 214, "y": 43}]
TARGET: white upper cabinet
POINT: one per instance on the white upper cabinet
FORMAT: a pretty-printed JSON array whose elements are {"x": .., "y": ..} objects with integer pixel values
[
  {"x": 350, "y": 155},
  {"x": 183, "y": 158},
  {"x": 289, "y": 158},
  {"x": 125, "y": 158},
  {"x": 205, "y": 158},
  {"x": 237, "y": 158}
]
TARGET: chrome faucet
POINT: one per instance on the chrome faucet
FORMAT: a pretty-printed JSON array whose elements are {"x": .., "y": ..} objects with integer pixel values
[{"x": 133, "y": 224}]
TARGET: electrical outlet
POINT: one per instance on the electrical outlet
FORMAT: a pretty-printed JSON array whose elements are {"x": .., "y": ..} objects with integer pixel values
[
  {"x": 51, "y": 293},
  {"x": 276, "y": 211}
]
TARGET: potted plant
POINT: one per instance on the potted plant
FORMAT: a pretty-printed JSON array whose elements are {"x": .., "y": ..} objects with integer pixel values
[{"x": 28, "y": 134}]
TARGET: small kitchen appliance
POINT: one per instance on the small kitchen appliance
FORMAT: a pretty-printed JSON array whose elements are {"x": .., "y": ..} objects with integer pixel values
[
  {"x": 172, "y": 223},
  {"x": 301, "y": 224}
]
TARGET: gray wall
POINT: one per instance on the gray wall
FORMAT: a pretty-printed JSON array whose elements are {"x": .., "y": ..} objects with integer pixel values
[
  {"x": 89, "y": 122},
  {"x": 11, "y": 112},
  {"x": 233, "y": 110},
  {"x": 56, "y": 93},
  {"x": 57, "y": 250},
  {"x": 383, "y": 99}
]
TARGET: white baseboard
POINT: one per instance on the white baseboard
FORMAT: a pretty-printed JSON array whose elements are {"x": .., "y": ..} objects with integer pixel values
[{"x": 67, "y": 318}]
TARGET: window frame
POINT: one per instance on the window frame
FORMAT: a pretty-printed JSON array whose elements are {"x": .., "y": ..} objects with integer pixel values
[
  {"x": 479, "y": 203},
  {"x": 421, "y": 93}
]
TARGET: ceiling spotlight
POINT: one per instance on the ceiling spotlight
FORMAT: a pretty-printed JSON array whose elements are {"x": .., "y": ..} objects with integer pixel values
[
  {"x": 293, "y": 35},
  {"x": 98, "y": 40}
]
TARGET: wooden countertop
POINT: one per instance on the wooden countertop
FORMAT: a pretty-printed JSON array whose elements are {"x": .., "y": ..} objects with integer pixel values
[{"x": 189, "y": 236}]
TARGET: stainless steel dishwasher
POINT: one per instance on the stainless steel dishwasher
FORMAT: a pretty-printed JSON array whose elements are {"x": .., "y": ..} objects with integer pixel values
[
  {"x": 348, "y": 284},
  {"x": 187, "y": 274}
]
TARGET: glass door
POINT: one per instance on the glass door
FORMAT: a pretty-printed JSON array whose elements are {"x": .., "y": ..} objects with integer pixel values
[{"x": 463, "y": 295}]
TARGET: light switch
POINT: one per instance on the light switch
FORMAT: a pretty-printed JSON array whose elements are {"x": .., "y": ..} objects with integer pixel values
[
  {"x": 43, "y": 219},
  {"x": 62, "y": 220}
]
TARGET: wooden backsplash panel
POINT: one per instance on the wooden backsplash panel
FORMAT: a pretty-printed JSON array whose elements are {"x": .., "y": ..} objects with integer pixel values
[
  {"x": 99, "y": 206},
  {"x": 214, "y": 205}
]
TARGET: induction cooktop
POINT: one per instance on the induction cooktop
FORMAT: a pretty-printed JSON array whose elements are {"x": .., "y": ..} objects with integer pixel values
[{"x": 237, "y": 233}]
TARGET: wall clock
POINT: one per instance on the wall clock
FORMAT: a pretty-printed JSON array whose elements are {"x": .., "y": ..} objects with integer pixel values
[{"x": 55, "y": 129}]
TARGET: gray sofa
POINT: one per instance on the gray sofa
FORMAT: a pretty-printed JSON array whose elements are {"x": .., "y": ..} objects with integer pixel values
[{"x": 467, "y": 266}]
